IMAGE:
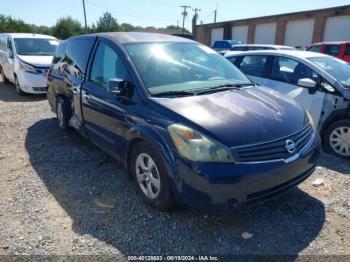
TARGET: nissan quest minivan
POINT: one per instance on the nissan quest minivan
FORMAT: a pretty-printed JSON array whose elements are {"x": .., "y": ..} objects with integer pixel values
[
  {"x": 25, "y": 59},
  {"x": 188, "y": 125}
]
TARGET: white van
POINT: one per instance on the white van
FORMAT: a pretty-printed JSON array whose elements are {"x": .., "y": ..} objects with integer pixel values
[{"x": 25, "y": 59}]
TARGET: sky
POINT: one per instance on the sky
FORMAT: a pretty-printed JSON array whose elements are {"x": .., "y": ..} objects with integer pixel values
[{"x": 157, "y": 13}]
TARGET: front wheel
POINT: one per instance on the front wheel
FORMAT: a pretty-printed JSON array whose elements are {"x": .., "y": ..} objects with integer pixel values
[
  {"x": 150, "y": 175},
  {"x": 18, "y": 88},
  {"x": 337, "y": 139}
]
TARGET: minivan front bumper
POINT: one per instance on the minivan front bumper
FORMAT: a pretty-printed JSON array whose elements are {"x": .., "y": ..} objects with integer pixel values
[
  {"x": 32, "y": 83},
  {"x": 220, "y": 184}
]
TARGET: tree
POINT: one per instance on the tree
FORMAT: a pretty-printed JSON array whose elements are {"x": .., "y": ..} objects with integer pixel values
[
  {"x": 67, "y": 27},
  {"x": 107, "y": 23},
  {"x": 125, "y": 27}
]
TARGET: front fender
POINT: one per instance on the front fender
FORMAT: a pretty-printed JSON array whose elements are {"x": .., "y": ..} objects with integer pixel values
[{"x": 161, "y": 143}]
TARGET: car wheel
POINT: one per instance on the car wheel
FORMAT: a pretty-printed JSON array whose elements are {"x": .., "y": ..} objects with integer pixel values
[
  {"x": 3, "y": 77},
  {"x": 18, "y": 88},
  {"x": 151, "y": 177},
  {"x": 337, "y": 139},
  {"x": 63, "y": 112}
]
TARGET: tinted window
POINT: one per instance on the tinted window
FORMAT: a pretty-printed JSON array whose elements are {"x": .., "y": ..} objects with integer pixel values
[
  {"x": 107, "y": 65},
  {"x": 253, "y": 65},
  {"x": 290, "y": 71},
  {"x": 347, "y": 50},
  {"x": 78, "y": 51},
  {"x": 332, "y": 50},
  {"x": 315, "y": 48},
  {"x": 232, "y": 59},
  {"x": 60, "y": 53}
]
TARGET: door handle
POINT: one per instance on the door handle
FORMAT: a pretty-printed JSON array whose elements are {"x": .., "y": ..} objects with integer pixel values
[{"x": 87, "y": 96}]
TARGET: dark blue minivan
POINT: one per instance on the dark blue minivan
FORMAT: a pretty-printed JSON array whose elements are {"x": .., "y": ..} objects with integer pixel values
[{"x": 188, "y": 125}]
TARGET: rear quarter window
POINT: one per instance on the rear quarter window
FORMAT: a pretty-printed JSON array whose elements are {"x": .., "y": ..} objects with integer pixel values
[
  {"x": 347, "y": 49},
  {"x": 315, "y": 48},
  {"x": 253, "y": 65},
  {"x": 78, "y": 52}
]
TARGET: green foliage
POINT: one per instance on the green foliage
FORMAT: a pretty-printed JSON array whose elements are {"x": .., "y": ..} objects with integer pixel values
[
  {"x": 107, "y": 23},
  {"x": 67, "y": 27}
]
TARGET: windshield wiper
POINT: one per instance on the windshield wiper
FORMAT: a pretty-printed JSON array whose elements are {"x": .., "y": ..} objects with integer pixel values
[
  {"x": 224, "y": 87},
  {"x": 174, "y": 93}
]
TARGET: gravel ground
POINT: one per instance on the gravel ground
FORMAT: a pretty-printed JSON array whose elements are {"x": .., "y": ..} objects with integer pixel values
[{"x": 60, "y": 195}]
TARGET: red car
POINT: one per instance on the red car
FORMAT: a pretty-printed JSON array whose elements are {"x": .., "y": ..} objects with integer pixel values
[{"x": 340, "y": 50}]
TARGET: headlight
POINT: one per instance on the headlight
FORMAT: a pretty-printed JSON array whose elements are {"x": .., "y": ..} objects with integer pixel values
[
  {"x": 26, "y": 67},
  {"x": 194, "y": 146}
]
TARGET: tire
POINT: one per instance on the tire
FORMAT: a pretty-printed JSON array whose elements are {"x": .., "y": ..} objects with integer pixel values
[
  {"x": 3, "y": 77},
  {"x": 337, "y": 139},
  {"x": 18, "y": 88},
  {"x": 63, "y": 112},
  {"x": 154, "y": 185}
]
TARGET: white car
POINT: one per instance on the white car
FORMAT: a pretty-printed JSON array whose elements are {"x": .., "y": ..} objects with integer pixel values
[
  {"x": 25, "y": 59},
  {"x": 320, "y": 83}
]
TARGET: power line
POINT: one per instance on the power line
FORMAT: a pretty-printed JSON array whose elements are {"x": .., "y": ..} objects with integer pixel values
[{"x": 184, "y": 14}]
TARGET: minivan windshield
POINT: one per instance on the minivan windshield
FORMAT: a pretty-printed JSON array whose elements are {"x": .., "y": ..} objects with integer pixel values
[
  {"x": 337, "y": 68},
  {"x": 182, "y": 67},
  {"x": 35, "y": 46}
]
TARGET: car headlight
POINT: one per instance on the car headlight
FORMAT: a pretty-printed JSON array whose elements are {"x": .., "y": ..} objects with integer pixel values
[
  {"x": 26, "y": 67},
  {"x": 194, "y": 146}
]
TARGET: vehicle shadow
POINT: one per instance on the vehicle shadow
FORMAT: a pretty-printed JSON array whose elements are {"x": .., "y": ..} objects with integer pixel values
[
  {"x": 95, "y": 192},
  {"x": 8, "y": 94},
  {"x": 334, "y": 163}
]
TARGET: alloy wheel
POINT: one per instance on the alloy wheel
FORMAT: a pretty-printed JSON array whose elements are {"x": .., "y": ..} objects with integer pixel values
[
  {"x": 340, "y": 140},
  {"x": 148, "y": 176}
]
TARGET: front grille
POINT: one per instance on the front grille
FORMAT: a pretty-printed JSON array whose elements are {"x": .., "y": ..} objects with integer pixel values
[{"x": 274, "y": 150}]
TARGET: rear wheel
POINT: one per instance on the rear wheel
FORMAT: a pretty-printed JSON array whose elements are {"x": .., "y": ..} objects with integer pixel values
[
  {"x": 337, "y": 139},
  {"x": 150, "y": 175},
  {"x": 3, "y": 78},
  {"x": 63, "y": 112},
  {"x": 18, "y": 88}
]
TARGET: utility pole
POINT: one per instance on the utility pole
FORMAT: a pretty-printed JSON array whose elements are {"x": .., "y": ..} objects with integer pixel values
[
  {"x": 184, "y": 14},
  {"x": 196, "y": 11},
  {"x": 215, "y": 13},
  {"x": 194, "y": 20},
  {"x": 84, "y": 14}
]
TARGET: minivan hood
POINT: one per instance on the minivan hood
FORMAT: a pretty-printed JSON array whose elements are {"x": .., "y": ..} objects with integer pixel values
[
  {"x": 240, "y": 117},
  {"x": 38, "y": 61}
]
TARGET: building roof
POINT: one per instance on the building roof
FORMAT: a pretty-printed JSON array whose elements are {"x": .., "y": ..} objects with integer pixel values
[{"x": 307, "y": 12}]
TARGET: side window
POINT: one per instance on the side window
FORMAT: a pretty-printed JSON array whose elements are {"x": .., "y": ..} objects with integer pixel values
[
  {"x": 232, "y": 59},
  {"x": 9, "y": 44},
  {"x": 60, "y": 53},
  {"x": 106, "y": 65},
  {"x": 347, "y": 49},
  {"x": 253, "y": 65},
  {"x": 77, "y": 55},
  {"x": 332, "y": 50},
  {"x": 315, "y": 48},
  {"x": 290, "y": 71},
  {"x": 238, "y": 48}
]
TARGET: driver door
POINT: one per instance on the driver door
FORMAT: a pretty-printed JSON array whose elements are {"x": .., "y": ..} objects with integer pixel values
[
  {"x": 9, "y": 61},
  {"x": 285, "y": 73}
]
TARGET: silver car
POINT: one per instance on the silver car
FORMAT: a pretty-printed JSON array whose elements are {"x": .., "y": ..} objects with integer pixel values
[{"x": 320, "y": 83}]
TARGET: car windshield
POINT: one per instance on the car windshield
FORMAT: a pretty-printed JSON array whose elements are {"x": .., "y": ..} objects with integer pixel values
[
  {"x": 35, "y": 46},
  {"x": 178, "y": 67},
  {"x": 337, "y": 68}
]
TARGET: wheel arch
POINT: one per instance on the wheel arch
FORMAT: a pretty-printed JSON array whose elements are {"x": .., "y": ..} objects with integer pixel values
[{"x": 338, "y": 115}]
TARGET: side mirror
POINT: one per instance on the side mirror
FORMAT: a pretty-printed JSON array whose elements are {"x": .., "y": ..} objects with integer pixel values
[
  {"x": 116, "y": 86},
  {"x": 308, "y": 83},
  {"x": 9, "y": 53}
]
